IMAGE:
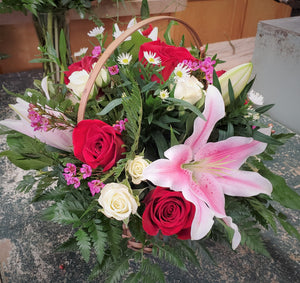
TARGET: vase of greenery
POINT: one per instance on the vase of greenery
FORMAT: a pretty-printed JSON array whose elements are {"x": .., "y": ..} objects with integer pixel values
[{"x": 51, "y": 24}]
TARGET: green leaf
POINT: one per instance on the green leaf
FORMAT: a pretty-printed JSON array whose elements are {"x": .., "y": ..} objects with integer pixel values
[
  {"x": 289, "y": 228},
  {"x": 160, "y": 142},
  {"x": 118, "y": 269},
  {"x": 264, "y": 212},
  {"x": 251, "y": 237},
  {"x": 264, "y": 108},
  {"x": 110, "y": 106},
  {"x": 173, "y": 140},
  {"x": 26, "y": 184},
  {"x": 216, "y": 82},
  {"x": 28, "y": 153},
  {"x": 152, "y": 272},
  {"x": 169, "y": 254},
  {"x": 83, "y": 242},
  {"x": 63, "y": 49},
  {"x": 167, "y": 34},
  {"x": 68, "y": 246},
  {"x": 145, "y": 13},
  {"x": 281, "y": 193},
  {"x": 186, "y": 105},
  {"x": 99, "y": 238},
  {"x": 265, "y": 138},
  {"x": 231, "y": 92}
]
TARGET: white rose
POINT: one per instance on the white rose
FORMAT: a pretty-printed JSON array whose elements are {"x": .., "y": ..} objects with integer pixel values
[
  {"x": 189, "y": 89},
  {"x": 117, "y": 202},
  {"x": 78, "y": 80},
  {"x": 136, "y": 167}
]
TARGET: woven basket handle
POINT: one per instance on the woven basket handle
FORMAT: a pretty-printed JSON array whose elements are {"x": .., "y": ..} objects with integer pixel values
[{"x": 111, "y": 48}]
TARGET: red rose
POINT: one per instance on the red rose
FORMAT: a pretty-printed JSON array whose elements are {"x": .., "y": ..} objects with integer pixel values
[
  {"x": 170, "y": 56},
  {"x": 147, "y": 31},
  {"x": 169, "y": 212},
  {"x": 97, "y": 144},
  {"x": 85, "y": 63},
  {"x": 220, "y": 73}
]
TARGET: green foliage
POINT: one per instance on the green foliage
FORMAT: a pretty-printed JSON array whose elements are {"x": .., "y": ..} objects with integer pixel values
[
  {"x": 28, "y": 153},
  {"x": 145, "y": 13}
]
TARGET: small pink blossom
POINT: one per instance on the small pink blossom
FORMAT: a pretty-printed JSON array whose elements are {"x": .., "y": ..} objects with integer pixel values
[
  {"x": 113, "y": 70},
  {"x": 38, "y": 122},
  {"x": 95, "y": 186},
  {"x": 86, "y": 170},
  {"x": 193, "y": 65},
  {"x": 120, "y": 125},
  {"x": 76, "y": 182},
  {"x": 96, "y": 51},
  {"x": 70, "y": 169},
  {"x": 207, "y": 67}
]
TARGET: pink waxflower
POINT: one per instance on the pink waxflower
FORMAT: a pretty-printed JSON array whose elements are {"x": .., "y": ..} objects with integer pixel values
[
  {"x": 113, "y": 70},
  {"x": 86, "y": 171},
  {"x": 71, "y": 180},
  {"x": 96, "y": 51},
  {"x": 120, "y": 125},
  {"x": 207, "y": 67},
  {"x": 207, "y": 171},
  {"x": 70, "y": 169},
  {"x": 95, "y": 186},
  {"x": 38, "y": 122}
]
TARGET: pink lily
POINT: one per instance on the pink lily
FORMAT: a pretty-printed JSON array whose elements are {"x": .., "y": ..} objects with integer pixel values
[
  {"x": 61, "y": 139},
  {"x": 205, "y": 171}
]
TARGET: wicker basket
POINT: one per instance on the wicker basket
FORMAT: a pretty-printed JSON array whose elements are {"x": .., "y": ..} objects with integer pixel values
[{"x": 132, "y": 244}]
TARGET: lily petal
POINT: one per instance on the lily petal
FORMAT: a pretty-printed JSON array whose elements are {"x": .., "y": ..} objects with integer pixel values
[
  {"x": 153, "y": 34},
  {"x": 236, "y": 236},
  {"x": 207, "y": 188},
  {"x": 213, "y": 112},
  {"x": 203, "y": 219},
  {"x": 44, "y": 85},
  {"x": 230, "y": 153},
  {"x": 168, "y": 172},
  {"x": 245, "y": 184}
]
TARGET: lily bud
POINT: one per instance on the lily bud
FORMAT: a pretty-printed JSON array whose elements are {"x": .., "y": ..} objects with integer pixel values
[
  {"x": 103, "y": 78},
  {"x": 239, "y": 77}
]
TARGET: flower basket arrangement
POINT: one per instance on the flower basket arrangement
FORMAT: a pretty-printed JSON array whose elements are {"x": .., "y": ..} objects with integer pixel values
[{"x": 147, "y": 151}]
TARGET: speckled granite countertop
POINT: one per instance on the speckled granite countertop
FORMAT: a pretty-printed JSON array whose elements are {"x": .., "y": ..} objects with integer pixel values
[{"x": 27, "y": 244}]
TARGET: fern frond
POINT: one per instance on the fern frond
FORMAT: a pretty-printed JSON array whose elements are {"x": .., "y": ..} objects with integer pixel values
[
  {"x": 169, "y": 254},
  {"x": 118, "y": 269},
  {"x": 83, "y": 242},
  {"x": 99, "y": 238},
  {"x": 133, "y": 108}
]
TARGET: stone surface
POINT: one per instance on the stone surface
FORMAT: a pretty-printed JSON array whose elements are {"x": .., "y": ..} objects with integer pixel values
[
  {"x": 276, "y": 62},
  {"x": 27, "y": 244}
]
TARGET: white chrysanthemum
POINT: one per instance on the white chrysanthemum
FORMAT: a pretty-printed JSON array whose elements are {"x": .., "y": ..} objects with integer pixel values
[
  {"x": 81, "y": 52},
  {"x": 181, "y": 71},
  {"x": 118, "y": 32},
  {"x": 96, "y": 31},
  {"x": 255, "y": 97},
  {"x": 151, "y": 57},
  {"x": 124, "y": 58},
  {"x": 163, "y": 94}
]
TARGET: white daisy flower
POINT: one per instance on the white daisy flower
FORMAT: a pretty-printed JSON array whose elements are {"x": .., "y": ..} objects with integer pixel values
[
  {"x": 124, "y": 58},
  {"x": 181, "y": 72},
  {"x": 118, "y": 32},
  {"x": 96, "y": 31},
  {"x": 255, "y": 97},
  {"x": 151, "y": 58},
  {"x": 163, "y": 94},
  {"x": 81, "y": 52}
]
